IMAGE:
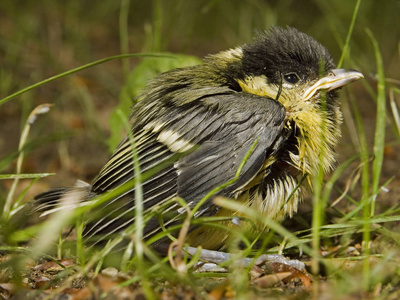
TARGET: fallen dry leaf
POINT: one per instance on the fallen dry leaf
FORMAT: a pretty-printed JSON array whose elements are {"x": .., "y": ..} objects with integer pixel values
[
  {"x": 53, "y": 266},
  {"x": 276, "y": 267},
  {"x": 271, "y": 279}
]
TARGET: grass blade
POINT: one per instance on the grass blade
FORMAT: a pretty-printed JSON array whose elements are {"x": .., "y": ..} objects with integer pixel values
[{"x": 89, "y": 65}]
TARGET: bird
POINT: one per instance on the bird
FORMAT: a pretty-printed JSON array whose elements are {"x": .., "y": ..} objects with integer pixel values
[{"x": 268, "y": 108}]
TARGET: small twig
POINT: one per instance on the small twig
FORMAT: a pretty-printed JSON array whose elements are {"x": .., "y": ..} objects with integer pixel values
[{"x": 177, "y": 263}]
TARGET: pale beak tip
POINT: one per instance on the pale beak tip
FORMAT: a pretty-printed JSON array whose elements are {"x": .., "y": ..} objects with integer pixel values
[
  {"x": 335, "y": 79},
  {"x": 357, "y": 75}
]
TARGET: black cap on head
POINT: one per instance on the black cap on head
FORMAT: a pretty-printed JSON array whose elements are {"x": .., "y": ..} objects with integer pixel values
[{"x": 280, "y": 51}]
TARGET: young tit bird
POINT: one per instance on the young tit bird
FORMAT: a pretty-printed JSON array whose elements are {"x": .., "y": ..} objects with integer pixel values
[{"x": 277, "y": 94}]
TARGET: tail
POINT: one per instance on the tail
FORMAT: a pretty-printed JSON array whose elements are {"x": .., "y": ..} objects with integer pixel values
[{"x": 49, "y": 201}]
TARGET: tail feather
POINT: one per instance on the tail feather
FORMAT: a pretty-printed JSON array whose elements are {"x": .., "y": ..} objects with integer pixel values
[{"x": 48, "y": 201}]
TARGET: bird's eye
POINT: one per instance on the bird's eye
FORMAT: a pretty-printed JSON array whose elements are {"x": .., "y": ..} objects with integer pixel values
[{"x": 291, "y": 78}]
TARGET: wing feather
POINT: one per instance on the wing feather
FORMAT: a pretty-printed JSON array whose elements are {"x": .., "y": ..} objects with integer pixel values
[{"x": 217, "y": 130}]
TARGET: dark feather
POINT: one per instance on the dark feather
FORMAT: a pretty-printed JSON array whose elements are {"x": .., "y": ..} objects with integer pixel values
[{"x": 221, "y": 137}]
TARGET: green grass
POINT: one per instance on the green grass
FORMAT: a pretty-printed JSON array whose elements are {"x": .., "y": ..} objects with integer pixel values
[{"x": 351, "y": 208}]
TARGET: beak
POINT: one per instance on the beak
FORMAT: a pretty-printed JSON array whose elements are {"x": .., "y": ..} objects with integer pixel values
[{"x": 335, "y": 79}]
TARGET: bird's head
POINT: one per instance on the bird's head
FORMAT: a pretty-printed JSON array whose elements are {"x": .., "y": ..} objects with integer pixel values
[
  {"x": 296, "y": 70},
  {"x": 287, "y": 64}
]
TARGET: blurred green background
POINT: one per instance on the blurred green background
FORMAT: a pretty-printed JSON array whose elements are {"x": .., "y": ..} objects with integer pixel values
[{"x": 42, "y": 39}]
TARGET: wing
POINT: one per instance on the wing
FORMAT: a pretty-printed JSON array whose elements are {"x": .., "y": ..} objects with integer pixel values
[{"x": 212, "y": 134}]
